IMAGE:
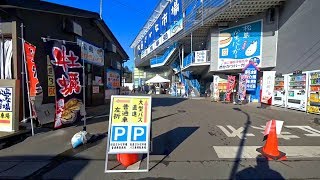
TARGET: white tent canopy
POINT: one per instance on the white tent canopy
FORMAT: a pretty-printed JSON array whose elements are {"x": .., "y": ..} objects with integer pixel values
[{"x": 157, "y": 79}]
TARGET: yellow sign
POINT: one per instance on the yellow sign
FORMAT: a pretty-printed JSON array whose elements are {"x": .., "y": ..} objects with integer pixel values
[
  {"x": 51, "y": 79},
  {"x": 5, "y": 120},
  {"x": 51, "y": 91},
  {"x": 131, "y": 110}
]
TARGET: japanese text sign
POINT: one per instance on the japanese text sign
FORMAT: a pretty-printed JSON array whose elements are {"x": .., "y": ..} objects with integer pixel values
[
  {"x": 243, "y": 78},
  {"x": 252, "y": 72},
  {"x": 267, "y": 86},
  {"x": 129, "y": 124},
  {"x": 239, "y": 45},
  {"x": 30, "y": 51},
  {"x": 91, "y": 53},
  {"x": 6, "y": 98},
  {"x": 68, "y": 81},
  {"x": 230, "y": 87}
]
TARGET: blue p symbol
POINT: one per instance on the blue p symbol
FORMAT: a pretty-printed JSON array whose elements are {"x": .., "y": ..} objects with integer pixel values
[
  {"x": 119, "y": 133},
  {"x": 139, "y": 133}
]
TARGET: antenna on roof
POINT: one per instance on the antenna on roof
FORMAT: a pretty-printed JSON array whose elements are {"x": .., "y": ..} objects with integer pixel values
[{"x": 101, "y": 9}]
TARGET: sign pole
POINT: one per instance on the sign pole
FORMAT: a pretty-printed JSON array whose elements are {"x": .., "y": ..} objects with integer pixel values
[
  {"x": 84, "y": 94},
  {"x": 27, "y": 80}
]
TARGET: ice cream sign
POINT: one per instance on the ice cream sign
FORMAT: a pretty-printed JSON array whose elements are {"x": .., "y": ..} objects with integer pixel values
[{"x": 240, "y": 45}]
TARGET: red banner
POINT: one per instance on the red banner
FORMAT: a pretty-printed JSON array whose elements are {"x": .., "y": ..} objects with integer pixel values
[
  {"x": 230, "y": 86},
  {"x": 30, "y": 51}
]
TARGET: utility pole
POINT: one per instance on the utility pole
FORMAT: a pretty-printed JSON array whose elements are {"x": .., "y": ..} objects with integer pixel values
[{"x": 101, "y": 9}]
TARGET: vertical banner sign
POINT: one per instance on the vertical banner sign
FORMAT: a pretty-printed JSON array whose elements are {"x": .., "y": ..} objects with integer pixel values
[
  {"x": 68, "y": 82},
  {"x": 242, "y": 86},
  {"x": 30, "y": 51},
  {"x": 240, "y": 45},
  {"x": 231, "y": 85},
  {"x": 268, "y": 86},
  {"x": 51, "y": 79},
  {"x": 252, "y": 72},
  {"x": 6, "y": 109},
  {"x": 129, "y": 125},
  {"x": 216, "y": 87}
]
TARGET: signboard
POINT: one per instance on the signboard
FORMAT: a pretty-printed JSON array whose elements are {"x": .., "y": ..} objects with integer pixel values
[
  {"x": 240, "y": 45},
  {"x": 216, "y": 87},
  {"x": 169, "y": 23},
  {"x": 243, "y": 78},
  {"x": 51, "y": 79},
  {"x": 30, "y": 51},
  {"x": 252, "y": 72},
  {"x": 6, "y": 98},
  {"x": 68, "y": 81},
  {"x": 90, "y": 53},
  {"x": 113, "y": 78},
  {"x": 200, "y": 56},
  {"x": 129, "y": 125},
  {"x": 230, "y": 86},
  {"x": 267, "y": 86}
]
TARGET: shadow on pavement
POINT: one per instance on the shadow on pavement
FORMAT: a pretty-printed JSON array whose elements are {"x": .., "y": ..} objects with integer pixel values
[
  {"x": 65, "y": 164},
  {"x": 242, "y": 142},
  {"x": 166, "y": 143},
  {"x": 260, "y": 171},
  {"x": 166, "y": 101}
]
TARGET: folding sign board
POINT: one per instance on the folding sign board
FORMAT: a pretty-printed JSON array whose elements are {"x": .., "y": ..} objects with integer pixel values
[{"x": 129, "y": 127}]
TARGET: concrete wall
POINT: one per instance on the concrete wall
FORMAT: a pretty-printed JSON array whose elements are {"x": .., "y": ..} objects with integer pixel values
[
  {"x": 299, "y": 37},
  {"x": 268, "y": 41}
]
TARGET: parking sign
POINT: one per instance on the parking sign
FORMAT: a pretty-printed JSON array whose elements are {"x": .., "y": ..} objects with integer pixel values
[{"x": 129, "y": 124}]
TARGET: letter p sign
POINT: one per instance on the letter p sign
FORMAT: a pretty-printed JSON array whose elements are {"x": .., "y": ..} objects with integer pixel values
[
  {"x": 139, "y": 133},
  {"x": 119, "y": 133}
]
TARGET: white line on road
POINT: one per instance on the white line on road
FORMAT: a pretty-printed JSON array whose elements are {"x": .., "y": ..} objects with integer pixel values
[{"x": 230, "y": 152}]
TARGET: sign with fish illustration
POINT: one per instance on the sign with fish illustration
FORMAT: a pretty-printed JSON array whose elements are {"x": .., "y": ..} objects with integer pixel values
[
  {"x": 240, "y": 45},
  {"x": 65, "y": 59}
]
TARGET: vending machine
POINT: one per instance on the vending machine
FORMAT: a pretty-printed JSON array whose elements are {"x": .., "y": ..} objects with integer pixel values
[
  {"x": 297, "y": 95},
  {"x": 313, "y": 105},
  {"x": 279, "y": 93}
]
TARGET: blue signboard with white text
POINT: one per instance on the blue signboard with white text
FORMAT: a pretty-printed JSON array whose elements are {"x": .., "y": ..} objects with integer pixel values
[
  {"x": 169, "y": 21},
  {"x": 252, "y": 78},
  {"x": 240, "y": 45}
]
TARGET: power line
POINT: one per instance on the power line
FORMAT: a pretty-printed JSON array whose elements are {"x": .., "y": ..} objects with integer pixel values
[{"x": 135, "y": 10}]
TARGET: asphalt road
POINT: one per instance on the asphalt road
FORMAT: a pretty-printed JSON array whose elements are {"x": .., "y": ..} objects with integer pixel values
[{"x": 192, "y": 139}]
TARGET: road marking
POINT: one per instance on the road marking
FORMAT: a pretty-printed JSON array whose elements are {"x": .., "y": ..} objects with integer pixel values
[
  {"x": 230, "y": 152},
  {"x": 232, "y": 132}
]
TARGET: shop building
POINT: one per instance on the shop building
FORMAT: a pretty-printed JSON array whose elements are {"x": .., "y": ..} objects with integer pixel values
[
  {"x": 37, "y": 20},
  {"x": 220, "y": 38}
]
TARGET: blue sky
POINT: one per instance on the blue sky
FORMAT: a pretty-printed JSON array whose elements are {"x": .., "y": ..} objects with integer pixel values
[{"x": 125, "y": 18}]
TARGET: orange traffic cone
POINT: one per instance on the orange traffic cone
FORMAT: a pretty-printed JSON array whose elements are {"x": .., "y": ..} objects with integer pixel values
[
  {"x": 127, "y": 159},
  {"x": 270, "y": 149}
]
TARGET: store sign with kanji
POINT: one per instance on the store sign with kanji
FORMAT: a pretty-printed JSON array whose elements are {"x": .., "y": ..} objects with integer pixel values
[
  {"x": 6, "y": 98},
  {"x": 129, "y": 124},
  {"x": 68, "y": 82}
]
